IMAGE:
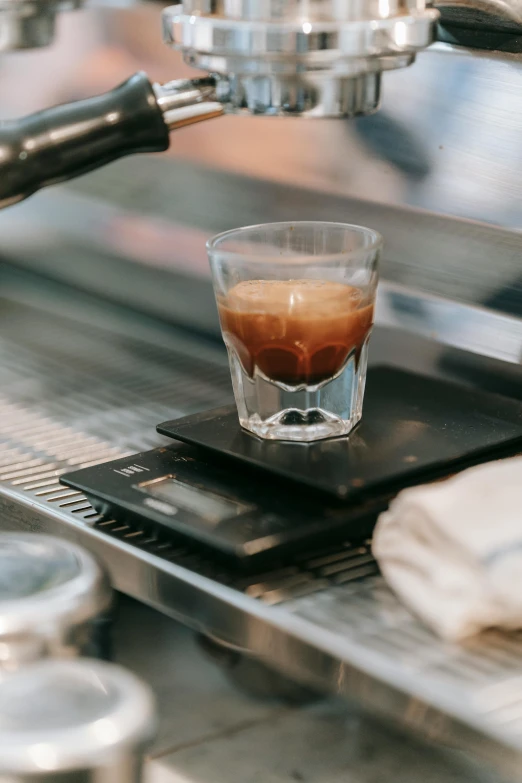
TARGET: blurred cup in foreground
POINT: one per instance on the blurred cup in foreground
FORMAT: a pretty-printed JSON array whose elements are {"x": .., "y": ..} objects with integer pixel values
[
  {"x": 55, "y": 601},
  {"x": 77, "y": 721}
]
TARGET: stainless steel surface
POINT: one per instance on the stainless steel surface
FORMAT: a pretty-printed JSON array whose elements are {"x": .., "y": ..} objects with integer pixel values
[
  {"x": 51, "y": 591},
  {"x": 253, "y": 677},
  {"x": 446, "y": 141},
  {"x": 221, "y": 736},
  {"x": 342, "y": 630},
  {"x": 186, "y": 101},
  {"x": 26, "y": 25},
  {"x": 314, "y": 59},
  {"x": 470, "y": 303},
  {"x": 435, "y": 171},
  {"x": 30, "y": 24},
  {"x": 66, "y": 717}
]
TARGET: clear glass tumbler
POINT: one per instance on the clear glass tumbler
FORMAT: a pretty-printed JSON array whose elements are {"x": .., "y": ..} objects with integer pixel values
[{"x": 296, "y": 303}]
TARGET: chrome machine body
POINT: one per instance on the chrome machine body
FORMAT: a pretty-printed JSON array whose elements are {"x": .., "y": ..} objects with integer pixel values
[
  {"x": 108, "y": 324},
  {"x": 314, "y": 59}
]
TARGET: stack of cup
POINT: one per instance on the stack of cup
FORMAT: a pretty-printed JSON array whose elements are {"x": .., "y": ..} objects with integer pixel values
[{"x": 63, "y": 719}]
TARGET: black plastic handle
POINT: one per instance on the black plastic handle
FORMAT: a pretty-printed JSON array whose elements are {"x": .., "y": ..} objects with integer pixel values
[{"x": 63, "y": 142}]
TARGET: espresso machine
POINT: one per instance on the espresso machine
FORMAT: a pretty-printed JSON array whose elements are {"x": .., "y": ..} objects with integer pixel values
[
  {"x": 276, "y": 60},
  {"x": 109, "y": 326}
]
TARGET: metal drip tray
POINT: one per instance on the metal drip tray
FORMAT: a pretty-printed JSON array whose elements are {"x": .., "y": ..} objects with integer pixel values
[{"x": 81, "y": 385}]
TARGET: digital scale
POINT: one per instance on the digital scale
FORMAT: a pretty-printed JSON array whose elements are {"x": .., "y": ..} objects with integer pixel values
[{"x": 254, "y": 502}]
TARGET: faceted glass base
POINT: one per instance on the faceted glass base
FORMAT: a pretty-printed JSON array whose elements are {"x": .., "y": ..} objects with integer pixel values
[{"x": 277, "y": 412}]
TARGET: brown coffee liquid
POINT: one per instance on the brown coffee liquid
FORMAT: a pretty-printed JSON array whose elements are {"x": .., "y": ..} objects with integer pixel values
[{"x": 295, "y": 331}]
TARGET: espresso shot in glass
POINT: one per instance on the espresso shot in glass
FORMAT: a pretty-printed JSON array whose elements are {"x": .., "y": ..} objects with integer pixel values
[{"x": 296, "y": 306}]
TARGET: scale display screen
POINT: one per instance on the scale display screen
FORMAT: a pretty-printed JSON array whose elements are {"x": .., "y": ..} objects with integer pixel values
[{"x": 207, "y": 505}]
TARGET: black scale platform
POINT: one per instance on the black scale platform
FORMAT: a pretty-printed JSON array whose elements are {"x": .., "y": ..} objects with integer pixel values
[{"x": 250, "y": 500}]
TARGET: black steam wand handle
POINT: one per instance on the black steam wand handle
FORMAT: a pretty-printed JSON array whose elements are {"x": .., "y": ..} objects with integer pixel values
[{"x": 65, "y": 141}]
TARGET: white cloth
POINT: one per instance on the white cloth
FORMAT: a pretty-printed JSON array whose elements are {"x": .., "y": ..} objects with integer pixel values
[{"x": 452, "y": 551}]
